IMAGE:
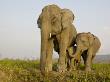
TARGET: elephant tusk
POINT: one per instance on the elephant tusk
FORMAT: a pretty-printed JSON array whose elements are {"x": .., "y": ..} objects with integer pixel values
[{"x": 50, "y": 35}]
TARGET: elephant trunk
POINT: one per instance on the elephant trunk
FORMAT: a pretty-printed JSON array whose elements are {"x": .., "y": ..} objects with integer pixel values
[
  {"x": 77, "y": 54},
  {"x": 44, "y": 41},
  {"x": 45, "y": 34}
]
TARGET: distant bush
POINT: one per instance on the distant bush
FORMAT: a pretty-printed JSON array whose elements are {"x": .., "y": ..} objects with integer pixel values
[{"x": 28, "y": 71}]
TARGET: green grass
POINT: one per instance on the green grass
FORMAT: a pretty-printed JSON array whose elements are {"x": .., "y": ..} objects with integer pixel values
[{"x": 28, "y": 71}]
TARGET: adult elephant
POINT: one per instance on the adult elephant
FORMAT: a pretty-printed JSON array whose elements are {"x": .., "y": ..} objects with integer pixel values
[
  {"x": 87, "y": 47},
  {"x": 55, "y": 22}
]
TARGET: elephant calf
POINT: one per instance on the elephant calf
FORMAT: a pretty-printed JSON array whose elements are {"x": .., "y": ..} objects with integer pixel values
[{"x": 87, "y": 47}]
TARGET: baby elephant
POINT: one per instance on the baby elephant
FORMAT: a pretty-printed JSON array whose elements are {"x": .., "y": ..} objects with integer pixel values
[{"x": 87, "y": 47}]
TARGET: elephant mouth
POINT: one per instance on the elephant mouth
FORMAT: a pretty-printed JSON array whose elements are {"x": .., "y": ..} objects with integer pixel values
[{"x": 51, "y": 36}]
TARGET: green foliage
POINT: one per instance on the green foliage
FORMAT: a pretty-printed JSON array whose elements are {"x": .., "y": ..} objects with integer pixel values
[{"x": 28, "y": 71}]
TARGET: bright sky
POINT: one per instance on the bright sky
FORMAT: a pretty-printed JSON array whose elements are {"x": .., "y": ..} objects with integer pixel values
[{"x": 20, "y": 37}]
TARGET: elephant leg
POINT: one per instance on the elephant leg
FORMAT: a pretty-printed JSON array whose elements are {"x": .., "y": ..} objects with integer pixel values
[
  {"x": 84, "y": 56},
  {"x": 67, "y": 61},
  {"x": 63, "y": 47},
  {"x": 62, "y": 60},
  {"x": 93, "y": 56},
  {"x": 73, "y": 64},
  {"x": 49, "y": 53},
  {"x": 88, "y": 62}
]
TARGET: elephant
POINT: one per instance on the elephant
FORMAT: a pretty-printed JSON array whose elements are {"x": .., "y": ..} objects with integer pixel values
[
  {"x": 55, "y": 22},
  {"x": 87, "y": 47}
]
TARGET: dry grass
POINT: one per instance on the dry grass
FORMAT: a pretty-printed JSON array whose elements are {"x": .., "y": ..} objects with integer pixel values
[{"x": 28, "y": 71}]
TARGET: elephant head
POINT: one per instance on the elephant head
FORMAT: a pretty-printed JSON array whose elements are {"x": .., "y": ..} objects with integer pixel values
[
  {"x": 52, "y": 21},
  {"x": 84, "y": 41}
]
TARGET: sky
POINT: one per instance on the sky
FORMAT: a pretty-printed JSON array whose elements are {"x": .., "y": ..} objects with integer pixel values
[{"x": 20, "y": 35}]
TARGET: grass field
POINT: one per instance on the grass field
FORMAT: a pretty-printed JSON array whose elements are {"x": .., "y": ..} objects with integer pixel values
[{"x": 28, "y": 71}]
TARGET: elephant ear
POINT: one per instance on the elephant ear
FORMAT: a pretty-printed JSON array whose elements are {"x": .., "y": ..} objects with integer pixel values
[
  {"x": 90, "y": 38},
  {"x": 67, "y": 18},
  {"x": 39, "y": 21}
]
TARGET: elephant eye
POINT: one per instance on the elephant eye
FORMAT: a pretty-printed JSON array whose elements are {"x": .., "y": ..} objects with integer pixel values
[
  {"x": 84, "y": 41},
  {"x": 53, "y": 20}
]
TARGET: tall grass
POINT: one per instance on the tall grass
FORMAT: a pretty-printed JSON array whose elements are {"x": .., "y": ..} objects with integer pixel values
[{"x": 28, "y": 71}]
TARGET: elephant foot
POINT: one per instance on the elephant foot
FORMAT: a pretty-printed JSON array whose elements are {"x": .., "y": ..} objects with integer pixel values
[
  {"x": 48, "y": 68},
  {"x": 62, "y": 69},
  {"x": 46, "y": 71},
  {"x": 87, "y": 69},
  {"x": 72, "y": 68}
]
